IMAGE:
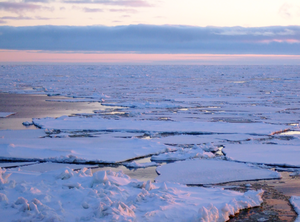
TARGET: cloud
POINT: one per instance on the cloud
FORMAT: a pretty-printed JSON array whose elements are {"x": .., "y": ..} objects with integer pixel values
[
  {"x": 92, "y": 9},
  {"x": 154, "y": 39},
  {"x": 19, "y": 7},
  {"x": 124, "y": 10},
  {"x": 289, "y": 11},
  {"x": 36, "y": 1},
  {"x": 255, "y": 32},
  {"x": 25, "y": 18},
  {"x": 128, "y": 3}
]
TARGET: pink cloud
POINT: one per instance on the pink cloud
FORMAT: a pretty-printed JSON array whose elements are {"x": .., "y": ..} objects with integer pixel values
[
  {"x": 18, "y": 56},
  {"x": 291, "y": 41}
]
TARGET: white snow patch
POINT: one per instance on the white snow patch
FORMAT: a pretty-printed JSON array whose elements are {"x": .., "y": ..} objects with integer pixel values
[
  {"x": 203, "y": 171},
  {"x": 66, "y": 195}
]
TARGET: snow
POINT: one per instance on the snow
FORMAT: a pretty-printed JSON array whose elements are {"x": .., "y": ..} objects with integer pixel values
[
  {"x": 15, "y": 146},
  {"x": 67, "y": 195},
  {"x": 203, "y": 171},
  {"x": 280, "y": 155},
  {"x": 6, "y": 114},
  {"x": 295, "y": 201}
]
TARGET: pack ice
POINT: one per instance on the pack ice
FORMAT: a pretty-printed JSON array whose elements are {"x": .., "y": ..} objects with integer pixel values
[
  {"x": 35, "y": 146},
  {"x": 157, "y": 109},
  {"x": 67, "y": 195}
]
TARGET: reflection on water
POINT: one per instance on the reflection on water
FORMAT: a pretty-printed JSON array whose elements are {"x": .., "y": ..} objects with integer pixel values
[{"x": 36, "y": 106}]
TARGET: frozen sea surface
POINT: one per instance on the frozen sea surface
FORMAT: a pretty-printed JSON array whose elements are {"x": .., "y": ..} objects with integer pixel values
[
  {"x": 5, "y": 114},
  {"x": 219, "y": 115},
  {"x": 211, "y": 172},
  {"x": 66, "y": 195}
]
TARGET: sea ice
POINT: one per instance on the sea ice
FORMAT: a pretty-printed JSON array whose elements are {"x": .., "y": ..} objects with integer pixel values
[
  {"x": 82, "y": 123},
  {"x": 105, "y": 149},
  {"x": 295, "y": 201},
  {"x": 203, "y": 171},
  {"x": 6, "y": 114},
  {"x": 49, "y": 166},
  {"x": 67, "y": 195},
  {"x": 280, "y": 155},
  {"x": 177, "y": 105},
  {"x": 183, "y": 154},
  {"x": 135, "y": 164},
  {"x": 200, "y": 139},
  {"x": 16, "y": 164}
]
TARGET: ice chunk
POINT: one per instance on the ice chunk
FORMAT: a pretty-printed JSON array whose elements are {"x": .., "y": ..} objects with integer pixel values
[
  {"x": 6, "y": 114},
  {"x": 74, "y": 150},
  {"x": 295, "y": 201},
  {"x": 80, "y": 123},
  {"x": 135, "y": 164},
  {"x": 203, "y": 171},
  {"x": 183, "y": 154},
  {"x": 280, "y": 155},
  {"x": 27, "y": 123}
]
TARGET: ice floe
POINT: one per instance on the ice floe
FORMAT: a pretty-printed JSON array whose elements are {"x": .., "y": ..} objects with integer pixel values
[
  {"x": 106, "y": 149},
  {"x": 273, "y": 154},
  {"x": 82, "y": 123},
  {"x": 203, "y": 171},
  {"x": 6, "y": 114},
  {"x": 16, "y": 164},
  {"x": 182, "y": 154},
  {"x": 295, "y": 201},
  {"x": 162, "y": 109},
  {"x": 67, "y": 195},
  {"x": 135, "y": 164}
]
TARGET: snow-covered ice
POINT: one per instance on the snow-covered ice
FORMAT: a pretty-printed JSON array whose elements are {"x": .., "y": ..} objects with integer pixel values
[
  {"x": 15, "y": 164},
  {"x": 203, "y": 171},
  {"x": 6, "y": 114},
  {"x": 135, "y": 164},
  {"x": 295, "y": 201},
  {"x": 66, "y": 195},
  {"x": 82, "y": 123},
  {"x": 49, "y": 166},
  {"x": 152, "y": 109},
  {"x": 183, "y": 154},
  {"x": 273, "y": 154},
  {"x": 14, "y": 146}
]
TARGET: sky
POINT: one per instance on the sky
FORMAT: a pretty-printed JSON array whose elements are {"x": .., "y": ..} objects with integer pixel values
[{"x": 150, "y": 32}]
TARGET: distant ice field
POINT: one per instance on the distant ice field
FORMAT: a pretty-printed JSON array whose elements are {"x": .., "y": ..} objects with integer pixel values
[{"x": 177, "y": 105}]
